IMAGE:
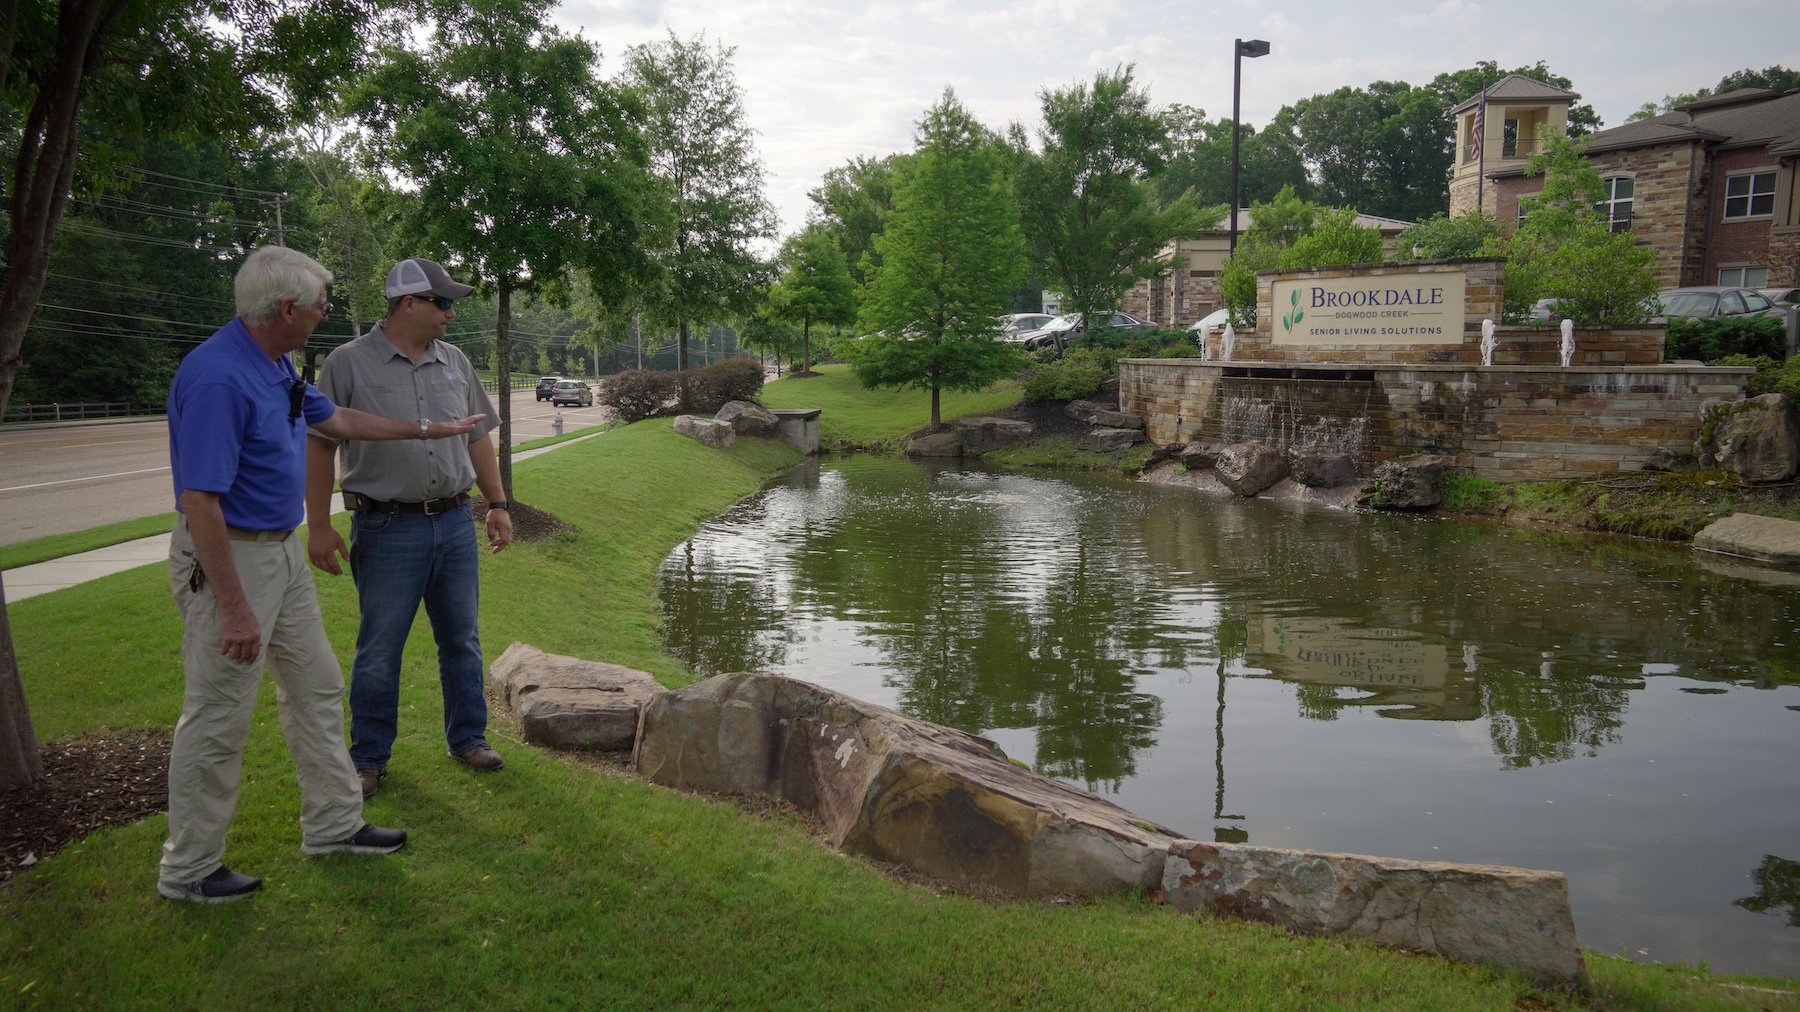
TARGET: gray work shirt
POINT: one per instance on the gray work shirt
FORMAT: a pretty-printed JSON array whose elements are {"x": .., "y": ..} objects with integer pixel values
[{"x": 370, "y": 374}]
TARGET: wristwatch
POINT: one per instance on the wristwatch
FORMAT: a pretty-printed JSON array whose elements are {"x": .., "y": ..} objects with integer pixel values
[
  {"x": 424, "y": 428},
  {"x": 500, "y": 504}
]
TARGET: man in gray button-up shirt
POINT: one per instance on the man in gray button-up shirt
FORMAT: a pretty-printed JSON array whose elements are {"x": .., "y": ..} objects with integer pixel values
[{"x": 412, "y": 534}]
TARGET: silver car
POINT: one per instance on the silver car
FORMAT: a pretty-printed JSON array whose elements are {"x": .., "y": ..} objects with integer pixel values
[
  {"x": 573, "y": 393},
  {"x": 1708, "y": 301}
]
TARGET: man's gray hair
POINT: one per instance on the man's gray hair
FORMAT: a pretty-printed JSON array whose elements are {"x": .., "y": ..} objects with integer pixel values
[{"x": 274, "y": 274}]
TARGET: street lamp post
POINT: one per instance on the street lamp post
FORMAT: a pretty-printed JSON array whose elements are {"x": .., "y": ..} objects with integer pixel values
[{"x": 1239, "y": 49}]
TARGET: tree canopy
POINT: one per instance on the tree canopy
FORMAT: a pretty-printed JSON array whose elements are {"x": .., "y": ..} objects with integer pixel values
[
  {"x": 815, "y": 286},
  {"x": 703, "y": 154},
  {"x": 949, "y": 256},
  {"x": 526, "y": 164},
  {"x": 1088, "y": 211}
]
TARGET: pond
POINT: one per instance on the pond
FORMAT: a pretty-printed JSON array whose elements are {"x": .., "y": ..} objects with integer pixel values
[{"x": 1626, "y": 713}]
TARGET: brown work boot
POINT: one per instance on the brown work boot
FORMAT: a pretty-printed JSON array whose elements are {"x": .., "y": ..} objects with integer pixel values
[
  {"x": 371, "y": 781},
  {"x": 479, "y": 757}
]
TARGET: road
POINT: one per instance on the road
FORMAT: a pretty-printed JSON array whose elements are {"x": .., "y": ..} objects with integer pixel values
[{"x": 56, "y": 479}]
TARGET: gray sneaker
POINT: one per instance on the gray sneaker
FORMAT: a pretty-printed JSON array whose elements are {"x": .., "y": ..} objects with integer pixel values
[
  {"x": 222, "y": 886},
  {"x": 368, "y": 840}
]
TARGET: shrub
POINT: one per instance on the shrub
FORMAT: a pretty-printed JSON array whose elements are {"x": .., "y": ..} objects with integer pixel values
[
  {"x": 1710, "y": 340},
  {"x": 638, "y": 393},
  {"x": 710, "y": 387},
  {"x": 1773, "y": 376},
  {"x": 1079, "y": 374}
]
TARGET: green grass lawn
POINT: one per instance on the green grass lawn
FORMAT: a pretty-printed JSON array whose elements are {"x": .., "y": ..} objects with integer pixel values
[
  {"x": 854, "y": 417},
  {"x": 560, "y": 884}
]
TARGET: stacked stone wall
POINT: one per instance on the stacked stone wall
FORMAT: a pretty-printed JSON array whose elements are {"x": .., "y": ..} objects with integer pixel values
[
  {"x": 1524, "y": 422},
  {"x": 1660, "y": 204}
]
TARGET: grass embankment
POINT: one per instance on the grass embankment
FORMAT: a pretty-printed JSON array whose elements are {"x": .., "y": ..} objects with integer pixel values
[
  {"x": 554, "y": 884},
  {"x": 855, "y": 418},
  {"x": 1648, "y": 504}
]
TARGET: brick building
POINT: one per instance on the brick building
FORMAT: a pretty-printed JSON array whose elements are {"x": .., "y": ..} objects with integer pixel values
[
  {"x": 1192, "y": 290},
  {"x": 1710, "y": 187}
]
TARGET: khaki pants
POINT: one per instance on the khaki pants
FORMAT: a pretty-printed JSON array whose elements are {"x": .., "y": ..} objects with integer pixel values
[{"x": 220, "y": 696}]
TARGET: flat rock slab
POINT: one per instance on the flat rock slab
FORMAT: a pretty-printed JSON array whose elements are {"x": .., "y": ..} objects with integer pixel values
[
  {"x": 981, "y": 433},
  {"x": 1510, "y": 917},
  {"x": 568, "y": 703},
  {"x": 706, "y": 430},
  {"x": 941, "y": 802},
  {"x": 1748, "y": 536}
]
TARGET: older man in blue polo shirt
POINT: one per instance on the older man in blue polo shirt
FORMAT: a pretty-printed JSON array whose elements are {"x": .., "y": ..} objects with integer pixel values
[{"x": 238, "y": 418}]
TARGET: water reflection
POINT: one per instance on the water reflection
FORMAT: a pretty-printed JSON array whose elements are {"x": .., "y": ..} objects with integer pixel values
[{"x": 1300, "y": 677}]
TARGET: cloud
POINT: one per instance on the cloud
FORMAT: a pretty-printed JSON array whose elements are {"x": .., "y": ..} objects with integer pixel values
[{"x": 1459, "y": 13}]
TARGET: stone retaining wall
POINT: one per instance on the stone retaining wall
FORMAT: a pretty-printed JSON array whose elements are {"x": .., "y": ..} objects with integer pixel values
[{"x": 1504, "y": 423}]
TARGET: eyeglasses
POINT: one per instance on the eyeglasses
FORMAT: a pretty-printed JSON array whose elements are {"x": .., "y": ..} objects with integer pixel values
[
  {"x": 439, "y": 301},
  {"x": 296, "y": 398}
]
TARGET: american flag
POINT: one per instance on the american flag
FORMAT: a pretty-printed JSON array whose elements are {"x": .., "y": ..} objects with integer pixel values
[{"x": 1480, "y": 127}]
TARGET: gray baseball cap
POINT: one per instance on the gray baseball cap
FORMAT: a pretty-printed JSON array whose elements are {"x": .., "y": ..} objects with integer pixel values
[{"x": 418, "y": 275}]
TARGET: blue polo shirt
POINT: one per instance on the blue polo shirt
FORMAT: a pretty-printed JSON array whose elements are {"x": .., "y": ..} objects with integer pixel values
[{"x": 229, "y": 430}]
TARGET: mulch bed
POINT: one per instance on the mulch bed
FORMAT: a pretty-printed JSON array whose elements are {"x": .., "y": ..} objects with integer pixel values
[
  {"x": 529, "y": 522},
  {"x": 89, "y": 783}
]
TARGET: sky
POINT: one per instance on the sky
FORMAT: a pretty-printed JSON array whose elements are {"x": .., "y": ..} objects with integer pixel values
[{"x": 825, "y": 81}]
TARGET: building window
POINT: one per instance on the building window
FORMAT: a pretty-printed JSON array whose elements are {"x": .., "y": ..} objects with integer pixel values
[
  {"x": 1750, "y": 195},
  {"x": 1744, "y": 277},
  {"x": 1509, "y": 139},
  {"x": 1615, "y": 207}
]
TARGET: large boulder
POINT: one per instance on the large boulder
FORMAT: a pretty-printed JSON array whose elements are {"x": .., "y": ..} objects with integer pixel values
[
  {"x": 981, "y": 433},
  {"x": 1249, "y": 468},
  {"x": 1748, "y": 536},
  {"x": 1510, "y": 917},
  {"x": 748, "y": 419},
  {"x": 1324, "y": 470},
  {"x": 1084, "y": 410},
  {"x": 1106, "y": 440},
  {"x": 569, "y": 703},
  {"x": 710, "y": 431},
  {"x": 936, "y": 444},
  {"x": 1198, "y": 456},
  {"x": 1415, "y": 483},
  {"x": 1757, "y": 439},
  {"x": 938, "y": 801},
  {"x": 1118, "y": 419}
]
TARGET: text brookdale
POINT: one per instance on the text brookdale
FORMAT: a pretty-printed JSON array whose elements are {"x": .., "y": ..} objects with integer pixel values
[{"x": 1376, "y": 297}]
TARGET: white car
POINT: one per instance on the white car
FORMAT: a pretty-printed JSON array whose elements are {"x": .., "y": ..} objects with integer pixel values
[
  {"x": 1212, "y": 321},
  {"x": 1014, "y": 325}
]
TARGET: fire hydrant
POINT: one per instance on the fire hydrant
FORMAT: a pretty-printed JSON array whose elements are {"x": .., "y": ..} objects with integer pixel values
[{"x": 557, "y": 423}]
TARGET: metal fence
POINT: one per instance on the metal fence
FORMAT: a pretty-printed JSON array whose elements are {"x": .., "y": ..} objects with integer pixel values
[{"x": 62, "y": 412}]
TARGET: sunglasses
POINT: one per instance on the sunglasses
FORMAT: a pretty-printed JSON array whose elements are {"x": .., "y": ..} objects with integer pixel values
[
  {"x": 296, "y": 398},
  {"x": 437, "y": 300}
]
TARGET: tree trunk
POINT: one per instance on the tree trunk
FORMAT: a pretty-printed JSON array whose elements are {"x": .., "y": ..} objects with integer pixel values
[
  {"x": 20, "y": 766},
  {"x": 937, "y": 419},
  {"x": 681, "y": 339},
  {"x": 40, "y": 187},
  {"x": 503, "y": 372},
  {"x": 805, "y": 345}
]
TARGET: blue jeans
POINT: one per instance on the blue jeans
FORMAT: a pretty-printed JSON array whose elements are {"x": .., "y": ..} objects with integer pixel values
[{"x": 399, "y": 560}]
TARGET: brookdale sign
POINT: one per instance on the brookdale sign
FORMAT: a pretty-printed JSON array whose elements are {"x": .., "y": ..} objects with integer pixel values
[{"x": 1422, "y": 309}]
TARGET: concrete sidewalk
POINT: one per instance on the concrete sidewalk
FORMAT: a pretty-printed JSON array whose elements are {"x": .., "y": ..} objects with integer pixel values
[{"x": 70, "y": 570}]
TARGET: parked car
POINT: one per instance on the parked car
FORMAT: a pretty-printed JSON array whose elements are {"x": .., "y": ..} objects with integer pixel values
[
  {"x": 1069, "y": 325},
  {"x": 1782, "y": 297},
  {"x": 545, "y": 385},
  {"x": 1708, "y": 301},
  {"x": 1013, "y": 326},
  {"x": 573, "y": 393}
]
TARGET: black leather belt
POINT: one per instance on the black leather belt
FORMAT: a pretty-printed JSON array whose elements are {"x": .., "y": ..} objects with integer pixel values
[{"x": 360, "y": 503}]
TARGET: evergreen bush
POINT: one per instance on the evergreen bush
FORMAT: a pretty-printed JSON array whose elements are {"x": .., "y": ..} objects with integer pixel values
[
  {"x": 1712, "y": 339},
  {"x": 710, "y": 387}
]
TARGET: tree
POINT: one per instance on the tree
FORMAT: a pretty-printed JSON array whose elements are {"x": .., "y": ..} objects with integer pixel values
[
  {"x": 1565, "y": 251},
  {"x": 948, "y": 257},
  {"x": 1289, "y": 232},
  {"x": 1384, "y": 149},
  {"x": 1776, "y": 78},
  {"x": 853, "y": 203},
  {"x": 815, "y": 286},
  {"x": 703, "y": 152},
  {"x": 765, "y": 328},
  {"x": 1089, "y": 214},
  {"x": 526, "y": 164},
  {"x": 1198, "y": 159},
  {"x": 101, "y": 77},
  {"x": 1444, "y": 238}
]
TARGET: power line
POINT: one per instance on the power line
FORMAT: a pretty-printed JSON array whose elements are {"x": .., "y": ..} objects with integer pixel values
[{"x": 198, "y": 182}]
